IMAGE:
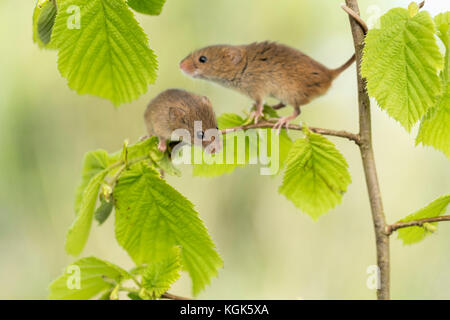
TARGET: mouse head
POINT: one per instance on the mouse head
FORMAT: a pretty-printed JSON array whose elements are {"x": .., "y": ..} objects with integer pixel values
[
  {"x": 198, "y": 118},
  {"x": 216, "y": 63}
]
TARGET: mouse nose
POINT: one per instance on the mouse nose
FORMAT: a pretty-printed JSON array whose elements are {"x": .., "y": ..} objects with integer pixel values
[
  {"x": 183, "y": 65},
  {"x": 186, "y": 67}
]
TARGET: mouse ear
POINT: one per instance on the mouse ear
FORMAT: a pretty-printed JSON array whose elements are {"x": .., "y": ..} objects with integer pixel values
[
  {"x": 176, "y": 113},
  {"x": 205, "y": 100},
  {"x": 235, "y": 55}
]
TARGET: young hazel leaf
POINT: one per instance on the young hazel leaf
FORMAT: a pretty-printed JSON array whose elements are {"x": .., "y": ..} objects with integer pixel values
[
  {"x": 43, "y": 20},
  {"x": 134, "y": 296},
  {"x": 79, "y": 231},
  {"x": 401, "y": 63},
  {"x": 94, "y": 162},
  {"x": 229, "y": 120},
  {"x": 434, "y": 128},
  {"x": 46, "y": 21},
  {"x": 252, "y": 145},
  {"x": 152, "y": 218},
  {"x": 85, "y": 279},
  {"x": 224, "y": 121},
  {"x": 415, "y": 234},
  {"x": 103, "y": 50},
  {"x": 137, "y": 150},
  {"x": 159, "y": 276},
  {"x": 104, "y": 210},
  {"x": 151, "y": 7},
  {"x": 316, "y": 175}
]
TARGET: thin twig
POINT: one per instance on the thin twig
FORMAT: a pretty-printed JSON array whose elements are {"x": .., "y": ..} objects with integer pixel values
[
  {"x": 421, "y": 4},
  {"x": 415, "y": 223},
  {"x": 368, "y": 160},
  {"x": 357, "y": 18},
  {"x": 267, "y": 125},
  {"x": 173, "y": 297}
]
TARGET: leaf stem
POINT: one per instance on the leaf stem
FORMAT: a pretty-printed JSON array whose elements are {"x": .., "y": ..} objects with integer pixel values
[{"x": 415, "y": 223}]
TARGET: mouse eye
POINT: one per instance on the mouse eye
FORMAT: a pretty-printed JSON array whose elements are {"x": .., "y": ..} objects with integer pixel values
[
  {"x": 200, "y": 134},
  {"x": 203, "y": 59}
]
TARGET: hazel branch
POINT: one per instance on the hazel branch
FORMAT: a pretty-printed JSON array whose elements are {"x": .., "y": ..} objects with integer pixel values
[
  {"x": 415, "y": 223},
  {"x": 329, "y": 132},
  {"x": 170, "y": 296},
  {"x": 368, "y": 158}
]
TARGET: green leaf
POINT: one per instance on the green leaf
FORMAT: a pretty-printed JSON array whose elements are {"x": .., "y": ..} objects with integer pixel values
[
  {"x": 415, "y": 234},
  {"x": 152, "y": 218},
  {"x": 316, "y": 175},
  {"x": 151, "y": 7},
  {"x": 228, "y": 165},
  {"x": 107, "y": 54},
  {"x": 204, "y": 169},
  {"x": 434, "y": 128},
  {"x": 284, "y": 146},
  {"x": 229, "y": 120},
  {"x": 79, "y": 231},
  {"x": 105, "y": 296},
  {"x": 401, "y": 63},
  {"x": 167, "y": 166},
  {"x": 134, "y": 296},
  {"x": 159, "y": 276},
  {"x": 137, "y": 150},
  {"x": 225, "y": 121},
  {"x": 442, "y": 21},
  {"x": 104, "y": 210},
  {"x": 413, "y": 9},
  {"x": 93, "y": 163},
  {"x": 443, "y": 27},
  {"x": 43, "y": 21},
  {"x": 85, "y": 279}
]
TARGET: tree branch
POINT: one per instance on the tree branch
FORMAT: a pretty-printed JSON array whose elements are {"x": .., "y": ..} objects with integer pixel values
[
  {"x": 329, "y": 132},
  {"x": 368, "y": 159},
  {"x": 170, "y": 296},
  {"x": 415, "y": 223}
]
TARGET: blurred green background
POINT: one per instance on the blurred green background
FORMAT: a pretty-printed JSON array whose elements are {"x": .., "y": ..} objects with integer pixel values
[{"x": 271, "y": 250}]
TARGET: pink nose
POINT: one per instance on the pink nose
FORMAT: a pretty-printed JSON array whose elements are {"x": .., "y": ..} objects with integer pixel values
[{"x": 183, "y": 65}]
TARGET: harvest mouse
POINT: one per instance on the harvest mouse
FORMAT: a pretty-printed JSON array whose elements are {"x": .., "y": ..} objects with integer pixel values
[
  {"x": 178, "y": 109},
  {"x": 264, "y": 69}
]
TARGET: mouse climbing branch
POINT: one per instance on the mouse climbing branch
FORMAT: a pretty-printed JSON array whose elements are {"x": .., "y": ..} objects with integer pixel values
[{"x": 329, "y": 132}]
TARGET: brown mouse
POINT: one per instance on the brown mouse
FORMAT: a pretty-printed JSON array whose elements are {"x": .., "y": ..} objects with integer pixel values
[
  {"x": 178, "y": 109},
  {"x": 264, "y": 69}
]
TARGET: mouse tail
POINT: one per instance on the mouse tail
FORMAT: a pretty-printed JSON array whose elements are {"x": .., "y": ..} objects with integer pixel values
[{"x": 338, "y": 71}]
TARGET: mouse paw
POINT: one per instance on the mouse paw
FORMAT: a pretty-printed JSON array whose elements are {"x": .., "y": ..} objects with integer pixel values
[
  {"x": 282, "y": 122},
  {"x": 162, "y": 146},
  {"x": 256, "y": 115}
]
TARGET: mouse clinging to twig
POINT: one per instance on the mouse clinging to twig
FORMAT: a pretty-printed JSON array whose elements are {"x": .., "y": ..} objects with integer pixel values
[
  {"x": 264, "y": 69},
  {"x": 176, "y": 109}
]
